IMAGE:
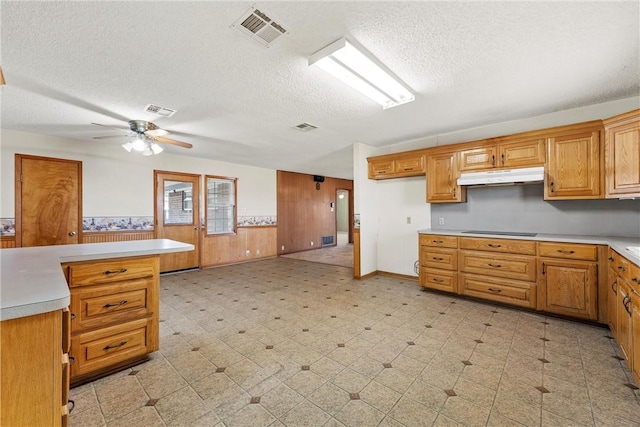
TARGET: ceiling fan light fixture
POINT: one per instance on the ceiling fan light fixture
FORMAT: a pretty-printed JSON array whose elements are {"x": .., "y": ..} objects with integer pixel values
[
  {"x": 156, "y": 149},
  {"x": 128, "y": 146},
  {"x": 138, "y": 143}
]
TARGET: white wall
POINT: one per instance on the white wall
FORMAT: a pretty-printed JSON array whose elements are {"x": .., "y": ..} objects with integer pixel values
[
  {"x": 366, "y": 204},
  {"x": 399, "y": 199},
  {"x": 117, "y": 183}
]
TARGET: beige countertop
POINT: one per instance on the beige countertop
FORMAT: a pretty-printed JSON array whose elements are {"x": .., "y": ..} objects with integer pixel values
[
  {"x": 619, "y": 244},
  {"x": 32, "y": 282}
]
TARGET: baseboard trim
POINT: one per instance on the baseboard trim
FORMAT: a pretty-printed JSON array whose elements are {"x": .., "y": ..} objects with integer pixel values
[{"x": 398, "y": 275}]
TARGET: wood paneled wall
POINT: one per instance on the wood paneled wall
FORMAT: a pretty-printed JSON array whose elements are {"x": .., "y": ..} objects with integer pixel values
[
  {"x": 115, "y": 236},
  {"x": 304, "y": 213},
  {"x": 7, "y": 242},
  {"x": 232, "y": 248}
]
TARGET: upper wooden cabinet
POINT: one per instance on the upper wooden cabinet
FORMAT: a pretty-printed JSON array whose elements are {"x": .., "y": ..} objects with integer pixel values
[
  {"x": 622, "y": 155},
  {"x": 442, "y": 177},
  {"x": 506, "y": 154},
  {"x": 573, "y": 166},
  {"x": 397, "y": 165}
]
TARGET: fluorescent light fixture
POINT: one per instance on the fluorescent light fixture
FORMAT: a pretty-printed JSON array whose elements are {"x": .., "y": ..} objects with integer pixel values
[{"x": 355, "y": 68}]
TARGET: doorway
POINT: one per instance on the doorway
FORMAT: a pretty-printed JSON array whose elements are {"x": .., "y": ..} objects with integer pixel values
[
  {"x": 343, "y": 230},
  {"x": 48, "y": 201},
  {"x": 176, "y": 214}
]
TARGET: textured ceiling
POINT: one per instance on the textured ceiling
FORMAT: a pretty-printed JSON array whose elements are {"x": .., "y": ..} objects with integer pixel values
[{"x": 68, "y": 64}]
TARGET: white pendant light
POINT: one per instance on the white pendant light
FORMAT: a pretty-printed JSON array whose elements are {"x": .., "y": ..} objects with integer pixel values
[{"x": 138, "y": 143}]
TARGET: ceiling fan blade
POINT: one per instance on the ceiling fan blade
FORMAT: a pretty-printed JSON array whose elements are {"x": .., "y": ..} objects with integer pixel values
[
  {"x": 157, "y": 132},
  {"x": 173, "y": 142},
  {"x": 111, "y": 136},
  {"x": 112, "y": 127}
]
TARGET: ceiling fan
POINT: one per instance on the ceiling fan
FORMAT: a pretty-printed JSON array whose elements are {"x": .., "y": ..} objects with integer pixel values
[{"x": 145, "y": 135}]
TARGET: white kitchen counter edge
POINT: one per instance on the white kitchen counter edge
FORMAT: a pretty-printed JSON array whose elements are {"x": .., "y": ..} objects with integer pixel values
[
  {"x": 619, "y": 244},
  {"x": 32, "y": 282}
]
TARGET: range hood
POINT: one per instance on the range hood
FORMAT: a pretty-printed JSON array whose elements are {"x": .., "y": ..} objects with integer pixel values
[{"x": 503, "y": 177}]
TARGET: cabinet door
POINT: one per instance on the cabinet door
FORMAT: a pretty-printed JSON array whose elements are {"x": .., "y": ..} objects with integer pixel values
[
  {"x": 569, "y": 288},
  {"x": 478, "y": 158},
  {"x": 522, "y": 154},
  {"x": 612, "y": 302},
  {"x": 442, "y": 175},
  {"x": 622, "y": 159},
  {"x": 573, "y": 167},
  {"x": 380, "y": 168},
  {"x": 635, "y": 334},
  {"x": 410, "y": 165},
  {"x": 624, "y": 317}
]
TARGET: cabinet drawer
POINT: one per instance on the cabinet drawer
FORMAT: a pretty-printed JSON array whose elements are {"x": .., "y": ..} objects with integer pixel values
[
  {"x": 438, "y": 240},
  {"x": 507, "y": 291},
  {"x": 109, "y": 346},
  {"x": 439, "y": 279},
  {"x": 410, "y": 164},
  {"x": 446, "y": 259},
  {"x": 568, "y": 251},
  {"x": 519, "y": 267},
  {"x": 102, "y": 305},
  {"x": 522, "y": 247},
  {"x": 114, "y": 270},
  {"x": 620, "y": 264}
]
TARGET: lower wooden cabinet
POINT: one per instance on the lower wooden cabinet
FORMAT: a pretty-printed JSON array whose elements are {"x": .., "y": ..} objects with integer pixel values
[
  {"x": 569, "y": 288},
  {"x": 33, "y": 390},
  {"x": 439, "y": 262},
  {"x": 114, "y": 309},
  {"x": 612, "y": 302},
  {"x": 635, "y": 329}
]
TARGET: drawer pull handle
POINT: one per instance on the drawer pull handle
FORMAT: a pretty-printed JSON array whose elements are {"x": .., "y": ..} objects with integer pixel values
[
  {"x": 122, "y": 270},
  {"x": 635, "y": 279},
  {"x": 109, "y": 347},
  {"x": 565, "y": 252},
  {"x": 621, "y": 268},
  {"x": 495, "y": 290},
  {"x": 493, "y": 245},
  {"x": 626, "y": 302},
  {"x": 610, "y": 258},
  {"x": 438, "y": 241},
  {"x": 437, "y": 258},
  {"x": 123, "y": 302},
  {"x": 614, "y": 287},
  {"x": 435, "y": 279},
  {"x": 495, "y": 265},
  {"x": 72, "y": 360},
  {"x": 71, "y": 405},
  {"x": 73, "y": 316}
]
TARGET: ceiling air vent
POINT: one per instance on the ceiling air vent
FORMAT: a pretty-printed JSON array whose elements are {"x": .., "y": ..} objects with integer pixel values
[
  {"x": 160, "y": 111},
  {"x": 259, "y": 27},
  {"x": 305, "y": 127}
]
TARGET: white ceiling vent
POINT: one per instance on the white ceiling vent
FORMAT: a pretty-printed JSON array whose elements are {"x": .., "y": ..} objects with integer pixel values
[
  {"x": 305, "y": 127},
  {"x": 160, "y": 111},
  {"x": 259, "y": 27}
]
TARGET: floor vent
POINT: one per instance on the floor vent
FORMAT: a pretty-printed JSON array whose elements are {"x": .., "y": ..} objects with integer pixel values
[
  {"x": 327, "y": 240},
  {"x": 259, "y": 27}
]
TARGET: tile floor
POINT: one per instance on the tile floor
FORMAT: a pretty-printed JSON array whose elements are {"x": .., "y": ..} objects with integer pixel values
[{"x": 290, "y": 342}]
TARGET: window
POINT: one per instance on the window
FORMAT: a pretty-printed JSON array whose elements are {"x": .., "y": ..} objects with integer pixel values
[{"x": 220, "y": 204}]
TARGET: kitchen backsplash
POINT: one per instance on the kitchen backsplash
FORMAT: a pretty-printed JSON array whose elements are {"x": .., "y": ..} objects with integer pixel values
[
  {"x": 522, "y": 208},
  {"x": 132, "y": 223}
]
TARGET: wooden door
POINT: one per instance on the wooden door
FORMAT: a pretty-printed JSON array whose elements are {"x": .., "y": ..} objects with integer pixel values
[
  {"x": 442, "y": 175},
  {"x": 48, "y": 201},
  {"x": 612, "y": 302},
  {"x": 622, "y": 158},
  {"x": 624, "y": 318},
  {"x": 176, "y": 212},
  {"x": 573, "y": 167},
  {"x": 569, "y": 288},
  {"x": 635, "y": 333}
]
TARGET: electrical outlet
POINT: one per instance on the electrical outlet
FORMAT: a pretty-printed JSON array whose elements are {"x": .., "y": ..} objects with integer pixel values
[
  {"x": 312, "y": 243},
  {"x": 441, "y": 221},
  {"x": 248, "y": 253},
  {"x": 257, "y": 251},
  {"x": 408, "y": 220},
  {"x": 282, "y": 248}
]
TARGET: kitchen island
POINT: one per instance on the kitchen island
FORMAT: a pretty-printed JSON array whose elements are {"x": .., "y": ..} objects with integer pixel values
[{"x": 37, "y": 355}]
